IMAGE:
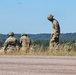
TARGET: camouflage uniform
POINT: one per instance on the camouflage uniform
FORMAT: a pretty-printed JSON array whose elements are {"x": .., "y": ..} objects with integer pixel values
[
  {"x": 54, "y": 41},
  {"x": 10, "y": 43},
  {"x": 25, "y": 42}
]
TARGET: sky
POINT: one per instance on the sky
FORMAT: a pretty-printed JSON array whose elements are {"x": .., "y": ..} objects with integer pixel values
[{"x": 30, "y": 16}]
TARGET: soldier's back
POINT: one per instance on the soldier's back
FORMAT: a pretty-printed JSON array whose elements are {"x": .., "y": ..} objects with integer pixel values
[
  {"x": 24, "y": 40},
  {"x": 11, "y": 41}
]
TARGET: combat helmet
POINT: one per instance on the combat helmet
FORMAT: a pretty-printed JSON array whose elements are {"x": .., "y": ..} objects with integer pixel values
[
  {"x": 23, "y": 34},
  {"x": 50, "y": 17},
  {"x": 10, "y": 34}
]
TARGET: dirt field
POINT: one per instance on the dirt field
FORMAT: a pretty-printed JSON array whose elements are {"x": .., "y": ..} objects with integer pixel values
[{"x": 37, "y": 65}]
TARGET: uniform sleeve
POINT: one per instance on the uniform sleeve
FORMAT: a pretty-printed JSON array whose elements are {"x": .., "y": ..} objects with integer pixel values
[
  {"x": 56, "y": 28},
  {"x": 5, "y": 44}
]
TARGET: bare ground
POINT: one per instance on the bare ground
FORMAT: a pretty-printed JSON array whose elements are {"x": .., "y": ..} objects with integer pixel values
[{"x": 37, "y": 65}]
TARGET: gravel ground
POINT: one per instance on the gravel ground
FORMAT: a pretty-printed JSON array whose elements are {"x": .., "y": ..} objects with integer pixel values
[{"x": 37, "y": 65}]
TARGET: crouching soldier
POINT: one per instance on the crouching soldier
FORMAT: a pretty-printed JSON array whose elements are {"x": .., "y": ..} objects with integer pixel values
[
  {"x": 25, "y": 42},
  {"x": 10, "y": 43}
]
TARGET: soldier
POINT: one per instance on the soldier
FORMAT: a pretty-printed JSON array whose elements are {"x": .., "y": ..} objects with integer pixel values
[
  {"x": 54, "y": 41},
  {"x": 25, "y": 42},
  {"x": 10, "y": 43}
]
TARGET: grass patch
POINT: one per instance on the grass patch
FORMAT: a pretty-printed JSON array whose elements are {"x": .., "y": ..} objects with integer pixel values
[
  {"x": 65, "y": 49},
  {"x": 43, "y": 52}
]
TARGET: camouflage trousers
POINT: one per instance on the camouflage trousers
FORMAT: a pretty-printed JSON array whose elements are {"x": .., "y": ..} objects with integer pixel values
[
  {"x": 54, "y": 43},
  {"x": 53, "y": 46},
  {"x": 10, "y": 49},
  {"x": 25, "y": 49}
]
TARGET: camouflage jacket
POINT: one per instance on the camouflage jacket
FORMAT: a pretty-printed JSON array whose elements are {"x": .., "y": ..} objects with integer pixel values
[
  {"x": 10, "y": 42},
  {"x": 56, "y": 28},
  {"x": 25, "y": 41}
]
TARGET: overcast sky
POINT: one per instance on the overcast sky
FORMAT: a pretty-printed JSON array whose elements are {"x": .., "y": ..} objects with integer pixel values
[{"x": 30, "y": 16}]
